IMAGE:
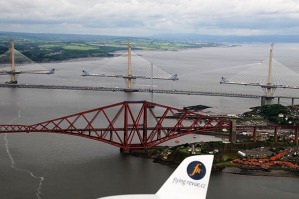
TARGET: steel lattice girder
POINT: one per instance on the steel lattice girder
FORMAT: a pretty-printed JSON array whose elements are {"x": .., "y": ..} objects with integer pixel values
[
  {"x": 10, "y": 128},
  {"x": 132, "y": 124}
]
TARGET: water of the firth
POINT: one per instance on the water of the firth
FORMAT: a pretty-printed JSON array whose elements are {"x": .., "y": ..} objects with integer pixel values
[{"x": 53, "y": 166}]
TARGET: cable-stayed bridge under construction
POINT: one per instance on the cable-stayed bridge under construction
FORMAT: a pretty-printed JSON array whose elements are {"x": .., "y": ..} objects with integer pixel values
[
  {"x": 268, "y": 74},
  {"x": 14, "y": 63}
]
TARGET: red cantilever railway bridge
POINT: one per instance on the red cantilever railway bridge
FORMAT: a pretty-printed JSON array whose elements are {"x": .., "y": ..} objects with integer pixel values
[{"x": 128, "y": 125}]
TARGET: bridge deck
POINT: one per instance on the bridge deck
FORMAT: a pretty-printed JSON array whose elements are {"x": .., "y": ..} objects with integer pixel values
[{"x": 181, "y": 92}]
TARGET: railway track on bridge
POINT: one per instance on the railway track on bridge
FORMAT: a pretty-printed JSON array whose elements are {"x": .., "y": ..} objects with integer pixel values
[{"x": 98, "y": 88}]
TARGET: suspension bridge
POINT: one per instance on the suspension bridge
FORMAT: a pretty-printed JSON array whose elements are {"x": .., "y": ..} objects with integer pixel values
[{"x": 137, "y": 125}]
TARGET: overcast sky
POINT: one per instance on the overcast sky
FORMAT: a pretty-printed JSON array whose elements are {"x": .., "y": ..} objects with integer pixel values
[{"x": 150, "y": 17}]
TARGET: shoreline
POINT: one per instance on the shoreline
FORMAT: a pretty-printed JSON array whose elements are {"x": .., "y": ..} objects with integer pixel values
[
  {"x": 260, "y": 172},
  {"x": 236, "y": 170}
]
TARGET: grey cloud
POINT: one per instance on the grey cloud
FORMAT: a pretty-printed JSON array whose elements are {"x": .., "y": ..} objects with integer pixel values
[{"x": 148, "y": 16}]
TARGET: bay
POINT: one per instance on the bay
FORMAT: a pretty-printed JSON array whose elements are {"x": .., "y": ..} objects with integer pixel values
[{"x": 71, "y": 167}]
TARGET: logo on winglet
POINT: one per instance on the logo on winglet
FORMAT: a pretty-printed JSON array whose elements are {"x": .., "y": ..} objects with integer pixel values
[{"x": 196, "y": 170}]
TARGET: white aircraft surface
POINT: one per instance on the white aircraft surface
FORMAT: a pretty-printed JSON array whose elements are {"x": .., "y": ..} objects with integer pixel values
[{"x": 189, "y": 180}]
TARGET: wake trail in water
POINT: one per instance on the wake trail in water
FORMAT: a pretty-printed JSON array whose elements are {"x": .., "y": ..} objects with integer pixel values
[{"x": 13, "y": 164}]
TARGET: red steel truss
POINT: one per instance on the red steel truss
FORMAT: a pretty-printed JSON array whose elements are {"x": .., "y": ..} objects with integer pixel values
[{"x": 127, "y": 125}]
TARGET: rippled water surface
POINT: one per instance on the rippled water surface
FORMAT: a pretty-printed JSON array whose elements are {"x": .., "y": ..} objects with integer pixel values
[{"x": 53, "y": 166}]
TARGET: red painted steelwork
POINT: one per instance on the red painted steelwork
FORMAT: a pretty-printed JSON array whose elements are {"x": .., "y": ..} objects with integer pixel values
[
  {"x": 127, "y": 125},
  {"x": 14, "y": 128}
]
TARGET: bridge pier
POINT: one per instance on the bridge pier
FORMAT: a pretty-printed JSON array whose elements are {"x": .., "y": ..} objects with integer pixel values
[
  {"x": 232, "y": 133},
  {"x": 296, "y": 136},
  {"x": 263, "y": 101},
  {"x": 254, "y": 135},
  {"x": 293, "y": 100},
  {"x": 275, "y": 135},
  {"x": 266, "y": 99},
  {"x": 125, "y": 151}
]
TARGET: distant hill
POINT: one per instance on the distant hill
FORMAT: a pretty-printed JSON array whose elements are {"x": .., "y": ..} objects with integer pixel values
[
  {"x": 41, "y": 47},
  {"x": 174, "y": 37},
  {"x": 58, "y": 37},
  {"x": 228, "y": 38}
]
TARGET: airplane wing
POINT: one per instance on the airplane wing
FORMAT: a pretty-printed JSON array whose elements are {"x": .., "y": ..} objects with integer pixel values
[
  {"x": 189, "y": 180},
  {"x": 135, "y": 196}
]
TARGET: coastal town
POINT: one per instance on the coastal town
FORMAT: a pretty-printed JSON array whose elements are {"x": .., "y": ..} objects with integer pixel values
[{"x": 262, "y": 156}]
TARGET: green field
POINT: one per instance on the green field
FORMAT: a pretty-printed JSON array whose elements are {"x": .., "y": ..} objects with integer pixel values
[{"x": 55, "y": 47}]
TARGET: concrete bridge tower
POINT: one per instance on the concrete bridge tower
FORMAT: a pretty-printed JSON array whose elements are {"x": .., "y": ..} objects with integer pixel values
[
  {"x": 129, "y": 67},
  {"x": 269, "y": 88},
  {"x": 12, "y": 63}
]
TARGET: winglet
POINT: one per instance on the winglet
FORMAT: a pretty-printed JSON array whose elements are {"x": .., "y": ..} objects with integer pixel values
[{"x": 189, "y": 180}]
